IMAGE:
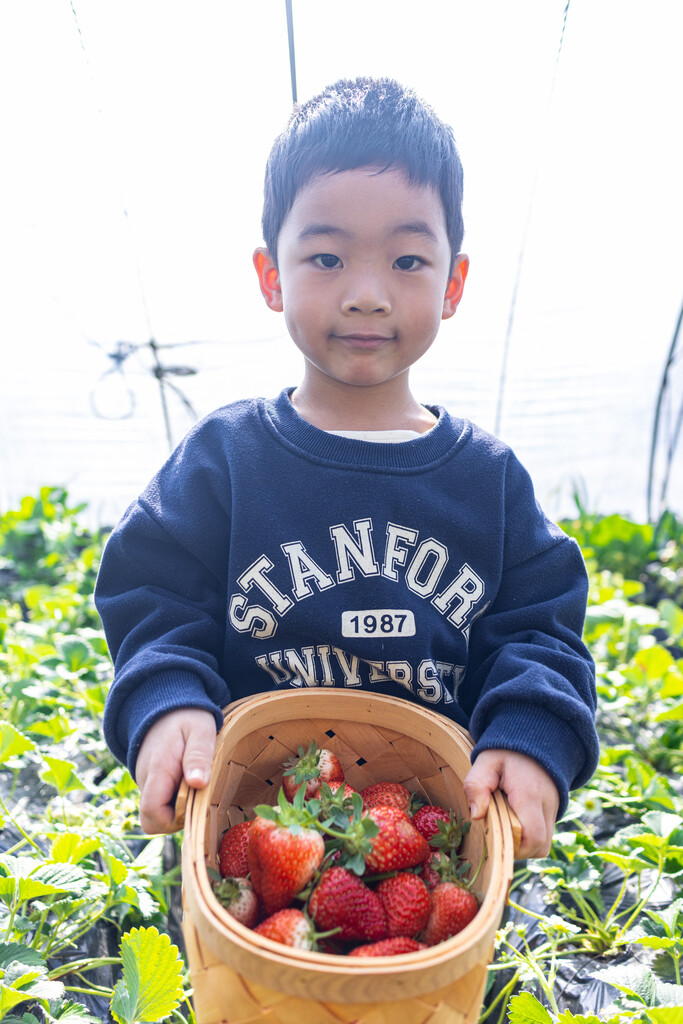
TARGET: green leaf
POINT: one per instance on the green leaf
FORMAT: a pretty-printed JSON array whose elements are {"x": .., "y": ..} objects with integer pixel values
[
  {"x": 62, "y": 775},
  {"x": 73, "y": 1013},
  {"x": 625, "y": 863},
  {"x": 56, "y": 728},
  {"x": 640, "y": 983},
  {"x": 72, "y": 847},
  {"x": 666, "y": 1015},
  {"x": 672, "y": 617},
  {"x": 64, "y": 877},
  {"x": 526, "y": 1009},
  {"x": 23, "y": 981},
  {"x": 578, "y": 1018},
  {"x": 13, "y": 743},
  {"x": 10, "y": 997},
  {"x": 662, "y": 823},
  {"x": 151, "y": 987},
  {"x": 674, "y": 714},
  {"x": 24, "y": 882},
  {"x": 150, "y": 858},
  {"x": 11, "y": 951},
  {"x": 654, "y": 661},
  {"x": 21, "y": 890},
  {"x": 118, "y": 869},
  {"x": 67, "y": 1013},
  {"x": 654, "y": 942},
  {"x": 75, "y": 653}
]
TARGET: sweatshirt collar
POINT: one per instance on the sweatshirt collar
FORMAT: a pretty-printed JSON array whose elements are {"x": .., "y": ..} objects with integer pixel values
[{"x": 447, "y": 434}]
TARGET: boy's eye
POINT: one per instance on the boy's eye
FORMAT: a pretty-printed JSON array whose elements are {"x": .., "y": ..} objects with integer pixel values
[
  {"x": 408, "y": 262},
  {"x": 327, "y": 260}
]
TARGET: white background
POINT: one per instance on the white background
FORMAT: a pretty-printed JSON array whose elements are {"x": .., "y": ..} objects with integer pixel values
[{"x": 134, "y": 137}]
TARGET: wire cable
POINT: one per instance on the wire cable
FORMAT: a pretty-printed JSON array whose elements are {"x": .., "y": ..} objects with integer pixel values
[
  {"x": 522, "y": 250},
  {"x": 290, "y": 40},
  {"x": 675, "y": 433}
]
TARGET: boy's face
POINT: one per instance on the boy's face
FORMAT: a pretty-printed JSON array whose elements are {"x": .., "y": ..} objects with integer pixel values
[{"x": 364, "y": 275}]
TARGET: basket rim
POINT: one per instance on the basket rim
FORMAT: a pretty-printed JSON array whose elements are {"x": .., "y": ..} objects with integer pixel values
[{"x": 240, "y": 718}]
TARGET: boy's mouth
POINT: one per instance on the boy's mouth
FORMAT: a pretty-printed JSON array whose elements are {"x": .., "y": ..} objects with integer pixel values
[{"x": 365, "y": 339}]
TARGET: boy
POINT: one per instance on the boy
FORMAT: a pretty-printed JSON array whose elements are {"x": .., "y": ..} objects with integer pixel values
[{"x": 343, "y": 534}]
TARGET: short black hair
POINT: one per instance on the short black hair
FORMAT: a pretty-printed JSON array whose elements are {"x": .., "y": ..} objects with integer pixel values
[{"x": 363, "y": 122}]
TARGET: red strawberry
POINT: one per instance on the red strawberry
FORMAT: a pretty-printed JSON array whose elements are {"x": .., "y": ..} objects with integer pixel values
[
  {"x": 239, "y": 899},
  {"x": 389, "y": 947},
  {"x": 289, "y": 926},
  {"x": 429, "y": 873},
  {"x": 283, "y": 852},
  {"x": 444, "y": 868},
  {"x": 348, "y": 790},
  {"x": 390, "y": 794},
  {"x": 444, "y": 830},
  {"x": 398, "y": 845},
  {"x": 407, "y": 902},
  {"x": 426, "y": 819},
  {"x": 342, "y": 900},
  {"x": 313, "y": 766},
  {"x": 232, "y": 856},
  {"x": 453, "y": 907}
]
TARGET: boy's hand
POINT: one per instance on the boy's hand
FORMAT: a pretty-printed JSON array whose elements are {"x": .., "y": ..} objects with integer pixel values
[
  {"x": 531, "y": 792},
  {"x": 181, "y": 744}
]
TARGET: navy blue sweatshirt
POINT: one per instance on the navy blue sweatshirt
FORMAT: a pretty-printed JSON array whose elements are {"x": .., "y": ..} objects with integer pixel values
[{"x": 267, "y": 553}]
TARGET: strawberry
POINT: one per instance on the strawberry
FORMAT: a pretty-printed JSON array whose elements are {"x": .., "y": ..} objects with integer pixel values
[
  {"x": 311, "y": 767},
  {"x": 389, "y": 947},
  {"x": 398, "y": 845},
  {"x": 289, "y": 926},
  {"x": 232, "y": 855},
  {"x": 341, "y": 900},
  {"x": 426, "y": 819},
  {"x": 443, "y": 830},
  {"x": 390, "y": 794},
  {"x": 406, "y": 899},
  {"x": 442, "y": 867},
  {"x": 283, "y": 852},
  {"x": 239, "y": 899},
  {"x": 429, "y": 873},
  {"x": 453, "y": 907},
  {"x": 348, "y": 790}
]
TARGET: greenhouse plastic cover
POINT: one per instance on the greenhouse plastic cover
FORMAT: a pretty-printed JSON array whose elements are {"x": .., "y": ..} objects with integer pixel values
[{"x": 135, "y": 141}]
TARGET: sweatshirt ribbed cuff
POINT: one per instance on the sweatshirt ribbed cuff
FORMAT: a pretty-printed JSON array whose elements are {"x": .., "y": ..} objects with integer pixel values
[
  {"x": 531, "y": 730},
  {"x": 159, "y": 694}
]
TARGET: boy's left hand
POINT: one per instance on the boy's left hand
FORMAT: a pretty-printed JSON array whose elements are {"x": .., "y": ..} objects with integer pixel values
[{"x": 531, "y": 793}]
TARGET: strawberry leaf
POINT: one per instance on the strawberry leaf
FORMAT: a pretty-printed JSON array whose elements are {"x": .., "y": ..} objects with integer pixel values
[
  {"x": 356, "y": 863},
  {"x": 526, "y": 1009},
  {"x": 151, "y": 987},
  {"x": 266, "y": 811},
  {"x": 13, "y": 743}
]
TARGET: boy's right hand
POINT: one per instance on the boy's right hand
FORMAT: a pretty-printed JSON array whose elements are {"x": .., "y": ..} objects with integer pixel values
[{"x": 180, "y": 744}]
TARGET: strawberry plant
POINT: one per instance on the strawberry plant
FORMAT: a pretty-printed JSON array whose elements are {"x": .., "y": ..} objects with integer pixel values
[
  {"x": 89, "y": 906},
  {"x": 84, "y": 896}
]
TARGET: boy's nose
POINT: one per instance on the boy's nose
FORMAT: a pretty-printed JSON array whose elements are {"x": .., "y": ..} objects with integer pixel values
[{"x": 366, "y": 295}]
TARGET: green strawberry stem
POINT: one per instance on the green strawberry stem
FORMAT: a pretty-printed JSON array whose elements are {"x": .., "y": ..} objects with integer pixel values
[
  {"x": 470, "y": 882},
  {"x": 327, "y": 934},
  {"x": 368, "y": 879},
  {"x": 305, "y": 767}
]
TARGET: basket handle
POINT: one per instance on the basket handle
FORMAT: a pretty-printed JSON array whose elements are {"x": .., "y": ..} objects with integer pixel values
[
  {"x": 516, "y": 826},
  {"x": 181, "y": 799}
]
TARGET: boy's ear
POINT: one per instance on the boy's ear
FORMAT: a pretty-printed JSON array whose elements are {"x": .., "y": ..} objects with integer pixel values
[
  {"x": 269, "y": 279},
  {"x": 455, "y": 286}
]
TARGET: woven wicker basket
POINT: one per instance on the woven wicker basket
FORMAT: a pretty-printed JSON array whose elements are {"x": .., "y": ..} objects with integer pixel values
[{"x": 242, "y": 978}]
